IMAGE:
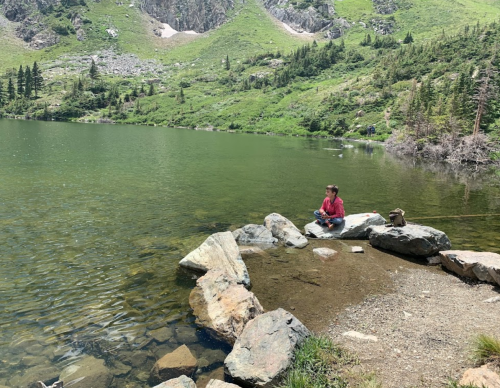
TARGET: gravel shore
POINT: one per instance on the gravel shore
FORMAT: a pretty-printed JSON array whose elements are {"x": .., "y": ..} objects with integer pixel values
[{"x": 424, "y": 329}]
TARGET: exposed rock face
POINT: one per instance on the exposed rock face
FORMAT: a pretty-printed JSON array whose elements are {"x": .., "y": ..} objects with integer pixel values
[
  {"x": 183, "y": 15},
  {"x": 480, "y": 377},
  {"x": 415, "y": 240},
  {"x": 88, "y": 372},
  {"x": 223, "y": 305},
  {"x": 265, "y": 348},
  {"x": 30, "y": 27},
  {"x": 382, "y": 26},
  {"x": 284, "y": 230},
  {"x": 255, "y": 234},
  {"x": 355, "y": 226},
  {"x": 179, "y": 382},
  {"x": 44, "y": 39},
  {"x": 385, "y": 7},
  {"x": 338, "y": 28},
  {"x": 219, "y": 251},
  {"x": 310, "y": 19},
  {"x": 484, "y": 266},
  {"x": 172, "y": 365}
]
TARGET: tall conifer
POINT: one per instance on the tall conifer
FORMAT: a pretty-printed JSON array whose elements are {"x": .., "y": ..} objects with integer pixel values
[
  {"x": 2, "y": 94},
  {"x": 28, "y": 82},
  {"x": 36, "y": 74},
  {"x": 20, "y": 81},
  {"x": 11, "y": 91}
]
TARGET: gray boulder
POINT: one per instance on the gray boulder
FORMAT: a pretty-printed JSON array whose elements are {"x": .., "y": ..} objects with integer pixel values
[
  {"x": 354, "y": 226},
  {"x": 255, "y": 235},
  {"x": 222, "y": 305},
  {"x": 265, "y": 348},
  {"x": 415, "y": 240},
  {"x": 87, "y": 372},
  {"x": 484, "y": 266},
  {"x": 219, "y": 251},
  {"x": 179, "y": 382},
  {"x": 285, "y": 231}
]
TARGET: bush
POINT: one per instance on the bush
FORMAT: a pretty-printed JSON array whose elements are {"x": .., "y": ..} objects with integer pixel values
[{"x": 486, "y": 349}]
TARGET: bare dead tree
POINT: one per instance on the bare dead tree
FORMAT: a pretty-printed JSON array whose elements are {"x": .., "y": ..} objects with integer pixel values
[{"x": 485, "y": 91}]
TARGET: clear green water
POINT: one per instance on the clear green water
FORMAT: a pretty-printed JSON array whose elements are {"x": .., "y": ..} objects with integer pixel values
[{"x": 94, "y": 219}]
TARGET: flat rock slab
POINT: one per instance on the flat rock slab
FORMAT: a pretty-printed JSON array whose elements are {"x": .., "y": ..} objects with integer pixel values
[
  {"x": 87, "y": 372},
  {"x": 354, "y": 226},
  {"x": 484, "y": 266},
  {"x": 265, "y": 348},
  {"x": 361, "y": 336},
  {"x": 222, "y": 305},
  {"x": 180, "y": 362},
  {"x": 253, "y": 234},
  {"x": 414, "y": 240},
  {"x": 219, "y": 251},
  {"x": 285, "y": 231},
  {"x": 324, "y": 253},
  {"x": 357, "y": 249},
  {"x": 179, "y": 382},
  {"x": 480, "y": 377}
]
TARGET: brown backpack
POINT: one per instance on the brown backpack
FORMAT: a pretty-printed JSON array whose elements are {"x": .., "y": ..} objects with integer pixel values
[{"x": 397, "y": 217}]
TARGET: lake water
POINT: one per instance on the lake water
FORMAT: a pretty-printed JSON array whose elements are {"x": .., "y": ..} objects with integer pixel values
[{"x": 95, "y": 218}]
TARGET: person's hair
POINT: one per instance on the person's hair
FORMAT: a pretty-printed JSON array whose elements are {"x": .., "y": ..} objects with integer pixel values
[{"x": 333, "y": 189}]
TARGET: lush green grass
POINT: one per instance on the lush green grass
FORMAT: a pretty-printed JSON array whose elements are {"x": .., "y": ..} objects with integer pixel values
[
  {"x": 486, "y": 349},
  {"x": 318, "y": 363}
]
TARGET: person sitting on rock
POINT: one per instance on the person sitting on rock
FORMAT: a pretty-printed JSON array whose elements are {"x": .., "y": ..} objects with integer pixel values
[{"x": 331, "y": 212}]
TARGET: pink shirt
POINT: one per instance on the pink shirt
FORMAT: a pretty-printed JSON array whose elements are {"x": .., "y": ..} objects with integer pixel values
[{"x": 335, "y": 209}]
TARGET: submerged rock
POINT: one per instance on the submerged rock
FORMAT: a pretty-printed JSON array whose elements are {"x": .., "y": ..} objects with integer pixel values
[
  {"x": 265, "y": 348},
  {"x": 284, "y": 230},
  {"x": 179, "y": 382},
  {"x": 354, "y": 226},
  {"x": 87, "y": 372},
  {"x": 255, "y": 234},
  {"x": 172, "y": 365},
  {"x": 484, "y": 266},
  {"x": 219, "y": 251},
  {"x": 222, "y": 305},
  {"x": 415, "y": 240}
]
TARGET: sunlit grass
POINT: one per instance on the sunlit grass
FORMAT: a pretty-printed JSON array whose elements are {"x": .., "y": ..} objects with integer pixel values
[{"x": 486, "y": 349}]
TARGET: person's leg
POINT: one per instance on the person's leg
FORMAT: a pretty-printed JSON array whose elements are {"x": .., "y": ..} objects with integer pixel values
[{"x": 320, "y": 220}]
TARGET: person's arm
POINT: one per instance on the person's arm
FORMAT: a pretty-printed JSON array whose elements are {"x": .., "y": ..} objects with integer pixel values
[{"x": 322, "y": 210}]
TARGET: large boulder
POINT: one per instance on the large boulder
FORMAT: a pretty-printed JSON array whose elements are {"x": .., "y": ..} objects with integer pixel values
[
  {"x": 172, "y": 365},
  {"x": 480, "y": 377},
  {"x": 415, "y": 240},
  {"x": 484, "y": 266},
  {"x": 179, "y": 382},
  {"x": 354, "y": 226},
  {"x": 255, "y": 234},
  {"x": 219, "y": 251},
  {"x": 87, "y": 372},
  {"x": 284, "y": 230},
  {"x": 222, "y": 305},
  {"x": 265, "y": 348}
]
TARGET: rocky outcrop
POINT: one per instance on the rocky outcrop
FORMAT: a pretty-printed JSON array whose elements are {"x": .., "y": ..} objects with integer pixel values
[
  {"x": 264, "y": 350},
  {"x": 285, "y": 231},
  {"x": 184, "y": 15},
  {"x": 310, "y": 19},
  {"x": 30, "y": 27},
  {"x": 87, "y": 372},
  {"x": 222, "y": 305},
  {"x": 480, "y": 377},
  {"x": 255, "y": 235},
  {"x": 219, "y": 251},
  {"x": 44, "y": 39},
  {"x": 355, "y": 226},
  {"x": 415, "y": 240},
  {"x": 179, "y": 382},
  {"x": 484, "y": 266},
  {"x": 385, "y": 7},
  {"x": 338, "y": 28},
  {"x": 382, "y": 26},
  {"x": 172, "y": 365}
]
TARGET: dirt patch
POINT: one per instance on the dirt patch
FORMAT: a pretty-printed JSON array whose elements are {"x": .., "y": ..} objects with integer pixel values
[{"x": 424, "y": 328}]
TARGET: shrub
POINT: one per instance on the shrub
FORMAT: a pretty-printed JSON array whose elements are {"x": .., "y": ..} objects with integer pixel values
[{"x": 486, "y": 349}]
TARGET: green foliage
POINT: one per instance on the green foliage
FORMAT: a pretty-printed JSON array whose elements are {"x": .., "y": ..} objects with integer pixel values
[
  {"x": 316, "y": 365},
  {"x": 486, "y": 349},
  {"x": 93, "y": 71}
]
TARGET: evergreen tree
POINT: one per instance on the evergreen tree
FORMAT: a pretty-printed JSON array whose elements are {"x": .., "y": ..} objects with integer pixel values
[
  {"x": 36, "y": 74},
  {"x": 20, "y": 81},
  {"x": 408, "y": 38},
  {"x": 134, "y": 92},
  {"x": 11, "y": 91},
  {"x": 93, "y": 72},
  {"x": 142, "y": 91},
  {"x": 182, "y": 99},
  {"x": 151, "y": 90},
  {"x": 228, "y": 66},
  {"x": 28, "y": 82}
]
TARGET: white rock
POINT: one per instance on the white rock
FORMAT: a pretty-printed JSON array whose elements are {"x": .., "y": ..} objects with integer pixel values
[
  {"x": 324, "y": 253},
  {"x": 219, "y": 251},
  {"x": 354, "y": 226},
  {"x": 357, "y": 249},
  {"x": 492, "y": 300},
  {"x": 356, "y": 334}
]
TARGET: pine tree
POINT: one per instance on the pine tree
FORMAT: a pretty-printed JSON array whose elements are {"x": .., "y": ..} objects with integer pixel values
[
  {"x": 11, "y": 91},
  {"x": 93, "y": 72},
  {"x": 20, "y": 81},
  {"x": 151, "y": 90},
  {"x": 142, "y": 91},
  {"x": 182, "y": 99},
  {"x": 36, "y": 74},
  {"x": 408, "y": 38},
  {"x": 28, "y": 82},
  {"x": 2, "y": 94},
  {"x": 228, "y": 66}
]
